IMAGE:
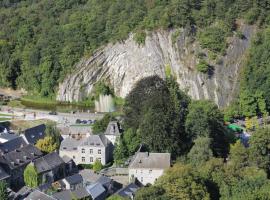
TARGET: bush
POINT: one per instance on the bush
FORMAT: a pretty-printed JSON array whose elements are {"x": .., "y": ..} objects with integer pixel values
[
  {"x": 252, "y": 15},
  {"x": 97, "y": 166},
  {"x": 213, "y": 39},
  {"x": 202, "y": 66},
  {"x": 140, "y": 37},
  {"x": 85, "y": 166}
]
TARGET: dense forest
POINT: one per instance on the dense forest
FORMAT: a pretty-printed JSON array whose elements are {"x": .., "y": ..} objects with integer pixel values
[
  {"x": 210, "y": 162},
  {"x": 41, "y": 40}
]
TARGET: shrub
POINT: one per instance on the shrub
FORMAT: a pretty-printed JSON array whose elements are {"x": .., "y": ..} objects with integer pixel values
[
  {"x": 213, "y": 39},
  {"x": 202, "y": 66},
  {"x": 140, "y": 37}
]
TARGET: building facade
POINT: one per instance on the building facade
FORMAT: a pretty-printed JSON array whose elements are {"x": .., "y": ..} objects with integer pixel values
[
  {"x": 148, "y": 167},
  {"x": 88, "y": 150}
]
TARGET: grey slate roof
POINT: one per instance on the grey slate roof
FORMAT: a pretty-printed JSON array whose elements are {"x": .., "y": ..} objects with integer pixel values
[
  {"x": 20, "y": 157},
  {"x": 151, "y": 160},
  {"x": 48, "y": 162},
  {"x": 97, "y": 191},
  {"x": 70, "y": 144},
  {"x": 129, "y": 190},
  {"x": 3, "y": 174},
  {"x": 89, "y": 176},
  {"x": 81, "y": 193},
  {"x": 32, "y": 135},
  {"x": 23, "y": 192},
  {"x": 74, "y": 179},
  {"x": 113, "y": 128},
  {"x": 96, "y": 141},
  {"x": 8, "y": 136},
  {"x": 105, "y": 181},
  {"x": 11, "y": 145},
  {"x": 37, "y": 195},
  {"x": 66, "y": 159},
  {"x": 64, "y": 195},
  {"x": 68, "y": 195}
]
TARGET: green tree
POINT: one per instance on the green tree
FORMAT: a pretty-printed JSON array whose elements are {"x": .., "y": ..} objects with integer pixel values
[
  {"x": 116, "y": 197},
  {"x": 3, "y": 190},
  {"x": 201, "y": 151},
  {"x": 260, "y": 149},
  {"x": 53, "y": 132},
  {"x": 97, "y": 166},
  {"x": 101, "y": 125},
  {"x": 31, "y": 177},
  {"x": 206, "y": 120},
  {"x": 46, "y": 145},
  {"x": 156, "y": 107},
  {"x": 151, "y": 193},
  {"x": 239, "y": 156},
  {"x": 182, "y": 182}
]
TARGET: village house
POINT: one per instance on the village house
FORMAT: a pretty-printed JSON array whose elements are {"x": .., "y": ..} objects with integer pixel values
[
  {"x": 148, "y": 167},
  {"x": 11, "y": 145},
  {"x": 50, "y": 167},
  {"x": 15, "y": 162},
  {"x": 87, "y": 150},
  {"x": 32, "y": 135},
  {"x": 73, "y": 182},
  {"x": 113, "y": 131}
]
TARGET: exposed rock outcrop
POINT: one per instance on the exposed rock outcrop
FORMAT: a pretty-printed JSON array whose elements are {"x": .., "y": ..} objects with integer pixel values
[{"x": 124, "y": 63}]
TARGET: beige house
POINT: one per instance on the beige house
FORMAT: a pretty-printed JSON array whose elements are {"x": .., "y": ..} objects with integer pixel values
[
  {"x": 148, "y": 167},
  {"x": 87, "y": 150}
]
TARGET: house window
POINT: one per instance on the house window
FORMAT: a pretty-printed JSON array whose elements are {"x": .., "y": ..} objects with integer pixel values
[
  {"x": 91, "y": 159},
  {"x": 99, "y": 159},
  {"x": 99, "y": 151},
  {"x": 83, "y": 159},
  {"x": 141, "y": 179},
  {"x": 91, "y": 151},
  {"x": 83, "y": 150},
  {"x": 73, "y": 157}
]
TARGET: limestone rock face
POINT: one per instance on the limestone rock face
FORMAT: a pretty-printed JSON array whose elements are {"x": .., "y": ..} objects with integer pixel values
[{"x": 125, "y": 63}]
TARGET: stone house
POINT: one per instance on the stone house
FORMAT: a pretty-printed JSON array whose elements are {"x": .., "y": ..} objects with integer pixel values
[
  {"x": 15, "y": 162},
  {"x": 148, "y": 167},
  {"x": 32, "y": 135},
  {"x": 87, "y": 150},
  {"x": 50, "y": 167}
]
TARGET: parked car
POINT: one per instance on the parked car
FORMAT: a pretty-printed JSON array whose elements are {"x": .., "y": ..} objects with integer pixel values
[{"x": 53, "y": 113}]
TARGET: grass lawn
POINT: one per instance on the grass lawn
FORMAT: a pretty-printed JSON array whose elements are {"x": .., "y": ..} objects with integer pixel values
[
  {"x": 23, "y": 124},
  {"x": 5, "y": 115},
  {"x": 2, "y": 119}
]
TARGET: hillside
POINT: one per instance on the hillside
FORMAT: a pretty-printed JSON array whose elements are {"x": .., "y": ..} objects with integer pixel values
[
  {"x": 123, "y": 64},
  {"x": 41, "y": 42}
]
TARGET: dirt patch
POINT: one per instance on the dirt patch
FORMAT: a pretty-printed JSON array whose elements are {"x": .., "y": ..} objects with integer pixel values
[
  {"x": 12, "y": 93},
  {"x": 23, "y": 124}
]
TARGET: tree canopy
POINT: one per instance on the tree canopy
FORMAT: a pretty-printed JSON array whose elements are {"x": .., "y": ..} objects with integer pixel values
[
  {"x": 31, "y": 177},
  {"x": 41, "y": 41},
  {"x": 3, "y": 190}
]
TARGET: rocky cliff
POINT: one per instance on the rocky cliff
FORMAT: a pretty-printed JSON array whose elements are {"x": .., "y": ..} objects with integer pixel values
[{"x": 124, "y": 63}]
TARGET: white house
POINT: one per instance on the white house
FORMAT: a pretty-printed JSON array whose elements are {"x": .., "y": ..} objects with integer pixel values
[
  {"x": 113, "y": 131},
  {"x": 87, "y": 150},
  {"x": 148, "y": 167}
]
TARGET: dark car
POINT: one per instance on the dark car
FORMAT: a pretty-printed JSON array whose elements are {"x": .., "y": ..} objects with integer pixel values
[{"x": 53, "y": 113}]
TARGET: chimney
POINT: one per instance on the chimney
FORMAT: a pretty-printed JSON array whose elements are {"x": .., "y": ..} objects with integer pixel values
[{"x": 25, "y": 158}]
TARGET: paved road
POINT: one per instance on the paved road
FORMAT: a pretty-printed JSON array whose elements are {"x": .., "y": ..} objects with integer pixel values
[{"x": 31, "y": 114}]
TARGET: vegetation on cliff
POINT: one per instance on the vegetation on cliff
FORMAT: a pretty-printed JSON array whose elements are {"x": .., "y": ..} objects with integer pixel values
[{"x": 41, "y": 41}]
